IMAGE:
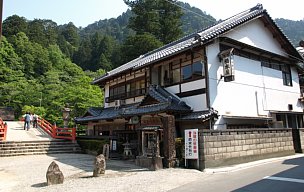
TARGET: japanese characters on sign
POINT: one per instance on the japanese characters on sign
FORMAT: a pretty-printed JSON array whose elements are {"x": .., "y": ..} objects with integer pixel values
[{"x": 191, "y": 144}]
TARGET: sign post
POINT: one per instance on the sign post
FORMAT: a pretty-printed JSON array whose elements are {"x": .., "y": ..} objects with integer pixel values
[{"x": 191, "y": 145}]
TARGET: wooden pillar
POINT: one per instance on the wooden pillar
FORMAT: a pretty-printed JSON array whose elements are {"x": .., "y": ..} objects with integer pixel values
[
  {"x": 143, "y": 144},
  {"x": 169, "y": 141},
  {"x": 201, "y": 151}
]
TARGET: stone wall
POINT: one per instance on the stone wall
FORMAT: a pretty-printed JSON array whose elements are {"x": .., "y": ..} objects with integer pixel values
[{"x": 226, "y": 147}]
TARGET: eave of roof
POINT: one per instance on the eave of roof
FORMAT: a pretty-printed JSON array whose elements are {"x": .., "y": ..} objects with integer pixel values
[{"x": 199, "y": 115}]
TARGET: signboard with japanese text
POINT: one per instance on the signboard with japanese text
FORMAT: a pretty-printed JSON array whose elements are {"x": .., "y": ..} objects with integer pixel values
[{"x": 191, "y": 144}]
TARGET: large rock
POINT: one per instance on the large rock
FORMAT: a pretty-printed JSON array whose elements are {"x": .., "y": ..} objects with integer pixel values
[
  {"x": 99, "y": 165},
  {"x": 54, "y": 175}
]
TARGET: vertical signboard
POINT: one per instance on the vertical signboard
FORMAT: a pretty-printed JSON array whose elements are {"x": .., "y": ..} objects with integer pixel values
[{"x": 191, "y": 144}]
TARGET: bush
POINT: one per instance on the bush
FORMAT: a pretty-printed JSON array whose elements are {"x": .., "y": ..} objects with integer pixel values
[{"x": 92, "y": 146}]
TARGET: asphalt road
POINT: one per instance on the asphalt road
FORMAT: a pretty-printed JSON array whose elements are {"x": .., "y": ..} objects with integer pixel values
[{"x": 278, "y": 176}]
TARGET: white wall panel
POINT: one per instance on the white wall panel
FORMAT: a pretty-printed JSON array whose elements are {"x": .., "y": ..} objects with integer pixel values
[
  {"x": 197, "y": 102},
  {"x": 193, "y": 85},
  {"x": 256, "y": 34}
]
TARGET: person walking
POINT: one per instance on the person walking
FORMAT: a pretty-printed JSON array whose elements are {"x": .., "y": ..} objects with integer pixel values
[
  {"x": 27, "y": 121},
  {"x": 35, "y": 120}
]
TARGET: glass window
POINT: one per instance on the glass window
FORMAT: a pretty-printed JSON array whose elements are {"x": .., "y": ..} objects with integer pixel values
[
  {"x": 275, "y": 66},
  {"x": 128, "y": 87},
  {"x": 286, "y": 75},
  {"x": 186, "y": 72},
  {"x": 111, "y": 92},
  {"x": 287, "y": 79},
  {"x": 197, "y": 69},
  {"x": 176, "y": 75}
]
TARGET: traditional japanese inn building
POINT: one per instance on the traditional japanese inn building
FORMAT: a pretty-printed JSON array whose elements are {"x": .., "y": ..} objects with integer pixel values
[{"x": 239, "y": 73}]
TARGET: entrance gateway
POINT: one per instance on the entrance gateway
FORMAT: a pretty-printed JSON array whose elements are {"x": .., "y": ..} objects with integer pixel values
[{"x": 146, "y": 131}]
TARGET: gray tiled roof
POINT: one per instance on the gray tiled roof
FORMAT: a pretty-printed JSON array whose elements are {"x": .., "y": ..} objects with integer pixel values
[
  {"x": 200, "y": 115},
  {"x": 187, "y": 42},
  {"x": 167, "y": 102},
  {"x": 104, "y": 114},
  {"x": 95, "y": 110}
]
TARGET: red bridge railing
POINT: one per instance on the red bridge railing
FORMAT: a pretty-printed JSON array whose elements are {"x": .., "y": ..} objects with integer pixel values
[
  {"x": 3, "y": 130},
  {"x": 57, "y": 132}
]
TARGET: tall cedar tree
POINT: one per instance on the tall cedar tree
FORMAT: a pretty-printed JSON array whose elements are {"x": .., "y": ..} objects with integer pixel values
[{"x": 157, "y": 17}]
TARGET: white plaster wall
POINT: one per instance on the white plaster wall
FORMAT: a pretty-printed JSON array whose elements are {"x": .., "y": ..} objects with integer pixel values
[
  {"x": 139, "y": 99},
  {"x": 255, "y": 91},
  {"x": 173, "y": 89},
  {"x": 275, "y": 90},
  {"x": 106, "y": 94},
  {"x": 196, "y": 102},
  {"x": 193, "y": 85},
  {"x": 129, "y": 101},
  {"x": 255, "y": 34}
]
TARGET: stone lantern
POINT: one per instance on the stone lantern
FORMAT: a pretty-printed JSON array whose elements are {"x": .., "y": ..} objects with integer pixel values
[{"x": 66, "y": 116}]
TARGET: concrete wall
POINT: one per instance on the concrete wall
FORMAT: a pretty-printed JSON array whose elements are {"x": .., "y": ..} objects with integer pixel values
[{"x": 219, "y": 148}]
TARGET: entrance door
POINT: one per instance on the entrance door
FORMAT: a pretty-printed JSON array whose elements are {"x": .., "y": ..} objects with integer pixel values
[{"x": 292, "y": 123}]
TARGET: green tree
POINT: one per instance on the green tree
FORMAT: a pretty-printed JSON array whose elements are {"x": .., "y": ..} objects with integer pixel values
[
  {"x": 138, "y": 45},
  {"x": 158, "y": 17},
  {"x": 13, "y": 25},
  {"x": 83, "y": 55},
  {"x": 36, "y": 32},
  {"x": 34, "y": 57}
]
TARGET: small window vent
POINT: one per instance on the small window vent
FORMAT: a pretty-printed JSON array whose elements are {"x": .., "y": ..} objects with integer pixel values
[{"x": 290, "y": 107}]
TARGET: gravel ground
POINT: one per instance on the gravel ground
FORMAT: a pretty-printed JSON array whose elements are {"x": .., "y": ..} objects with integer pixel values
[{"x": 28, "y": 173}]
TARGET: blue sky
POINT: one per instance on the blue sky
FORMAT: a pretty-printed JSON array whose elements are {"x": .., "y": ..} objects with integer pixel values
[{"x": 84, "y": 12}]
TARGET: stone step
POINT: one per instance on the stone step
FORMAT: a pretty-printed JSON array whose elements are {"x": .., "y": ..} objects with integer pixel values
[
  {"x": 37, "y": 150},
  {"x": 38, "y": 147},
  {"x": 36, "y": 153},
  {"x": 35, "y": 141},
  {"x": 35, "y": 145},
  {"x": 13, "y": 148}
]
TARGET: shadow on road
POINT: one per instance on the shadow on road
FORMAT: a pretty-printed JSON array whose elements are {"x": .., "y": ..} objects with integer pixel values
[{"x": 288, "y": 180}]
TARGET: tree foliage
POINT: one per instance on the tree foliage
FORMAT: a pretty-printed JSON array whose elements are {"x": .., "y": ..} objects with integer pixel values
[
  {"x": 43, "y": 80},
  {"x": 157, "y": 17}
]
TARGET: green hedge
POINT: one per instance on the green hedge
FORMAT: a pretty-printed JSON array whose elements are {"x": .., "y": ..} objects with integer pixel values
[{"x": 93, "y": 146}]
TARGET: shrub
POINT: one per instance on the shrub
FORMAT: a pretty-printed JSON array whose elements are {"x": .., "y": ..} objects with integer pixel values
[{"x": 92, "y": 146}]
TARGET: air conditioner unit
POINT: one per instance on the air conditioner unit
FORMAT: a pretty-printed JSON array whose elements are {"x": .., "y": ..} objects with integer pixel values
[{"x": 118, "y": 103}]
